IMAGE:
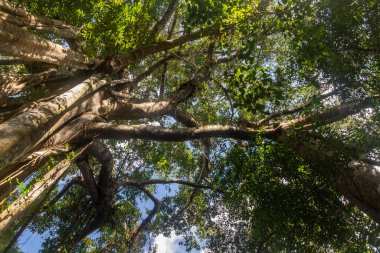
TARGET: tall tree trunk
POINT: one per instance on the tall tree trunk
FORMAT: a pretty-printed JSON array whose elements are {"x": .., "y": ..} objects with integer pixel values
[{"x": 358, "y": 181}]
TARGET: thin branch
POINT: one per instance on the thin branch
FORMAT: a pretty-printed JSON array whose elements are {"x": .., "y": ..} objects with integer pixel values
[
  {"x": 165, "y": 68},
  {"x": 122, "y": 84},
  {"x": 180, "y": 57},
  {"x": 128, "y": 181},
  {"x": 163, "y": 81},
  {"x": 148, "y": 219},
  {"x": 227, "y": 94},
  {"x": 65, "y": 189},
  {"x": 189, "y": 121},
  {"x": 139, "y": 53},
  {"x": 295, "y": 110},
  {"x": 77, "y": 222},
  {"x": 205, "y": 168}
]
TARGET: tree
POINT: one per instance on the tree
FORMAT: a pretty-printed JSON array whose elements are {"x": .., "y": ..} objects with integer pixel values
[{"x": 261, "y": 119}]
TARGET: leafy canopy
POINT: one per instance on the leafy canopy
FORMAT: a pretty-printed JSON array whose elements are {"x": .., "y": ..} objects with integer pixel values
[{"x": 263, "y": 195}]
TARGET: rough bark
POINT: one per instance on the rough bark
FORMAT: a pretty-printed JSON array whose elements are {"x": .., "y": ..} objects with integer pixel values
[
  {"x": 16, "y": 42},
  {"x": 360, "y": 183},
  {"x": 13, "y": 62},
  {"x": 16, "y": 134},
  {"x": 12, "y": 86},
  {"x": 147, "y": 132},
  {"x": 23, "y": 18}
]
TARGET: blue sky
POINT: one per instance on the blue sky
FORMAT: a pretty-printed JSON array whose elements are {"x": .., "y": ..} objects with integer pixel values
[{"x": 31, "y": 242}]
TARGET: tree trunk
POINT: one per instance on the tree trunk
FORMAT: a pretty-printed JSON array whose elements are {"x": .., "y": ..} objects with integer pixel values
[{"x": 358, "y": 181}]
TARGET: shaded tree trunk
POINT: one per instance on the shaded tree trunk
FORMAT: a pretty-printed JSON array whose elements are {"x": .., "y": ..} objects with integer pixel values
[{"x": 358, "y": 181}]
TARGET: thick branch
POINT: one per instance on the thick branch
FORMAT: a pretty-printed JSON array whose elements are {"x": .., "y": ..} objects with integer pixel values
[
  {"x": 359, "y": 182},
  {"x": 12, "y": 87},
  {"x": 147, "y": 132},
  {"x": 330, "y": 115},
  {"x": 23, "y": 18},
  {"x": 16, "y": 42},
  {"x": 295, "y": 110},
  {"x": 16, "y": 136},
  {"x": 184, "y": 118},
  {"x": 89, "y": 179},
  {"x": 149, "y": 109},
  {"x": 122, "y": 132},
  {"x": 13, "y": 62},
  {"x": 104, "y": 156},
  {"x": 103, "y": 205}
]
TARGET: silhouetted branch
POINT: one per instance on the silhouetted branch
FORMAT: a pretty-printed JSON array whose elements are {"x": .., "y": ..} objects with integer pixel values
[
  {"x": 148, "y": 219},
  {"x": 165, "y": 19}
]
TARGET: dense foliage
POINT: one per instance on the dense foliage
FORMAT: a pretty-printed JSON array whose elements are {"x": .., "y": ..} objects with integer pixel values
[{"x": 283, "y": 63}]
